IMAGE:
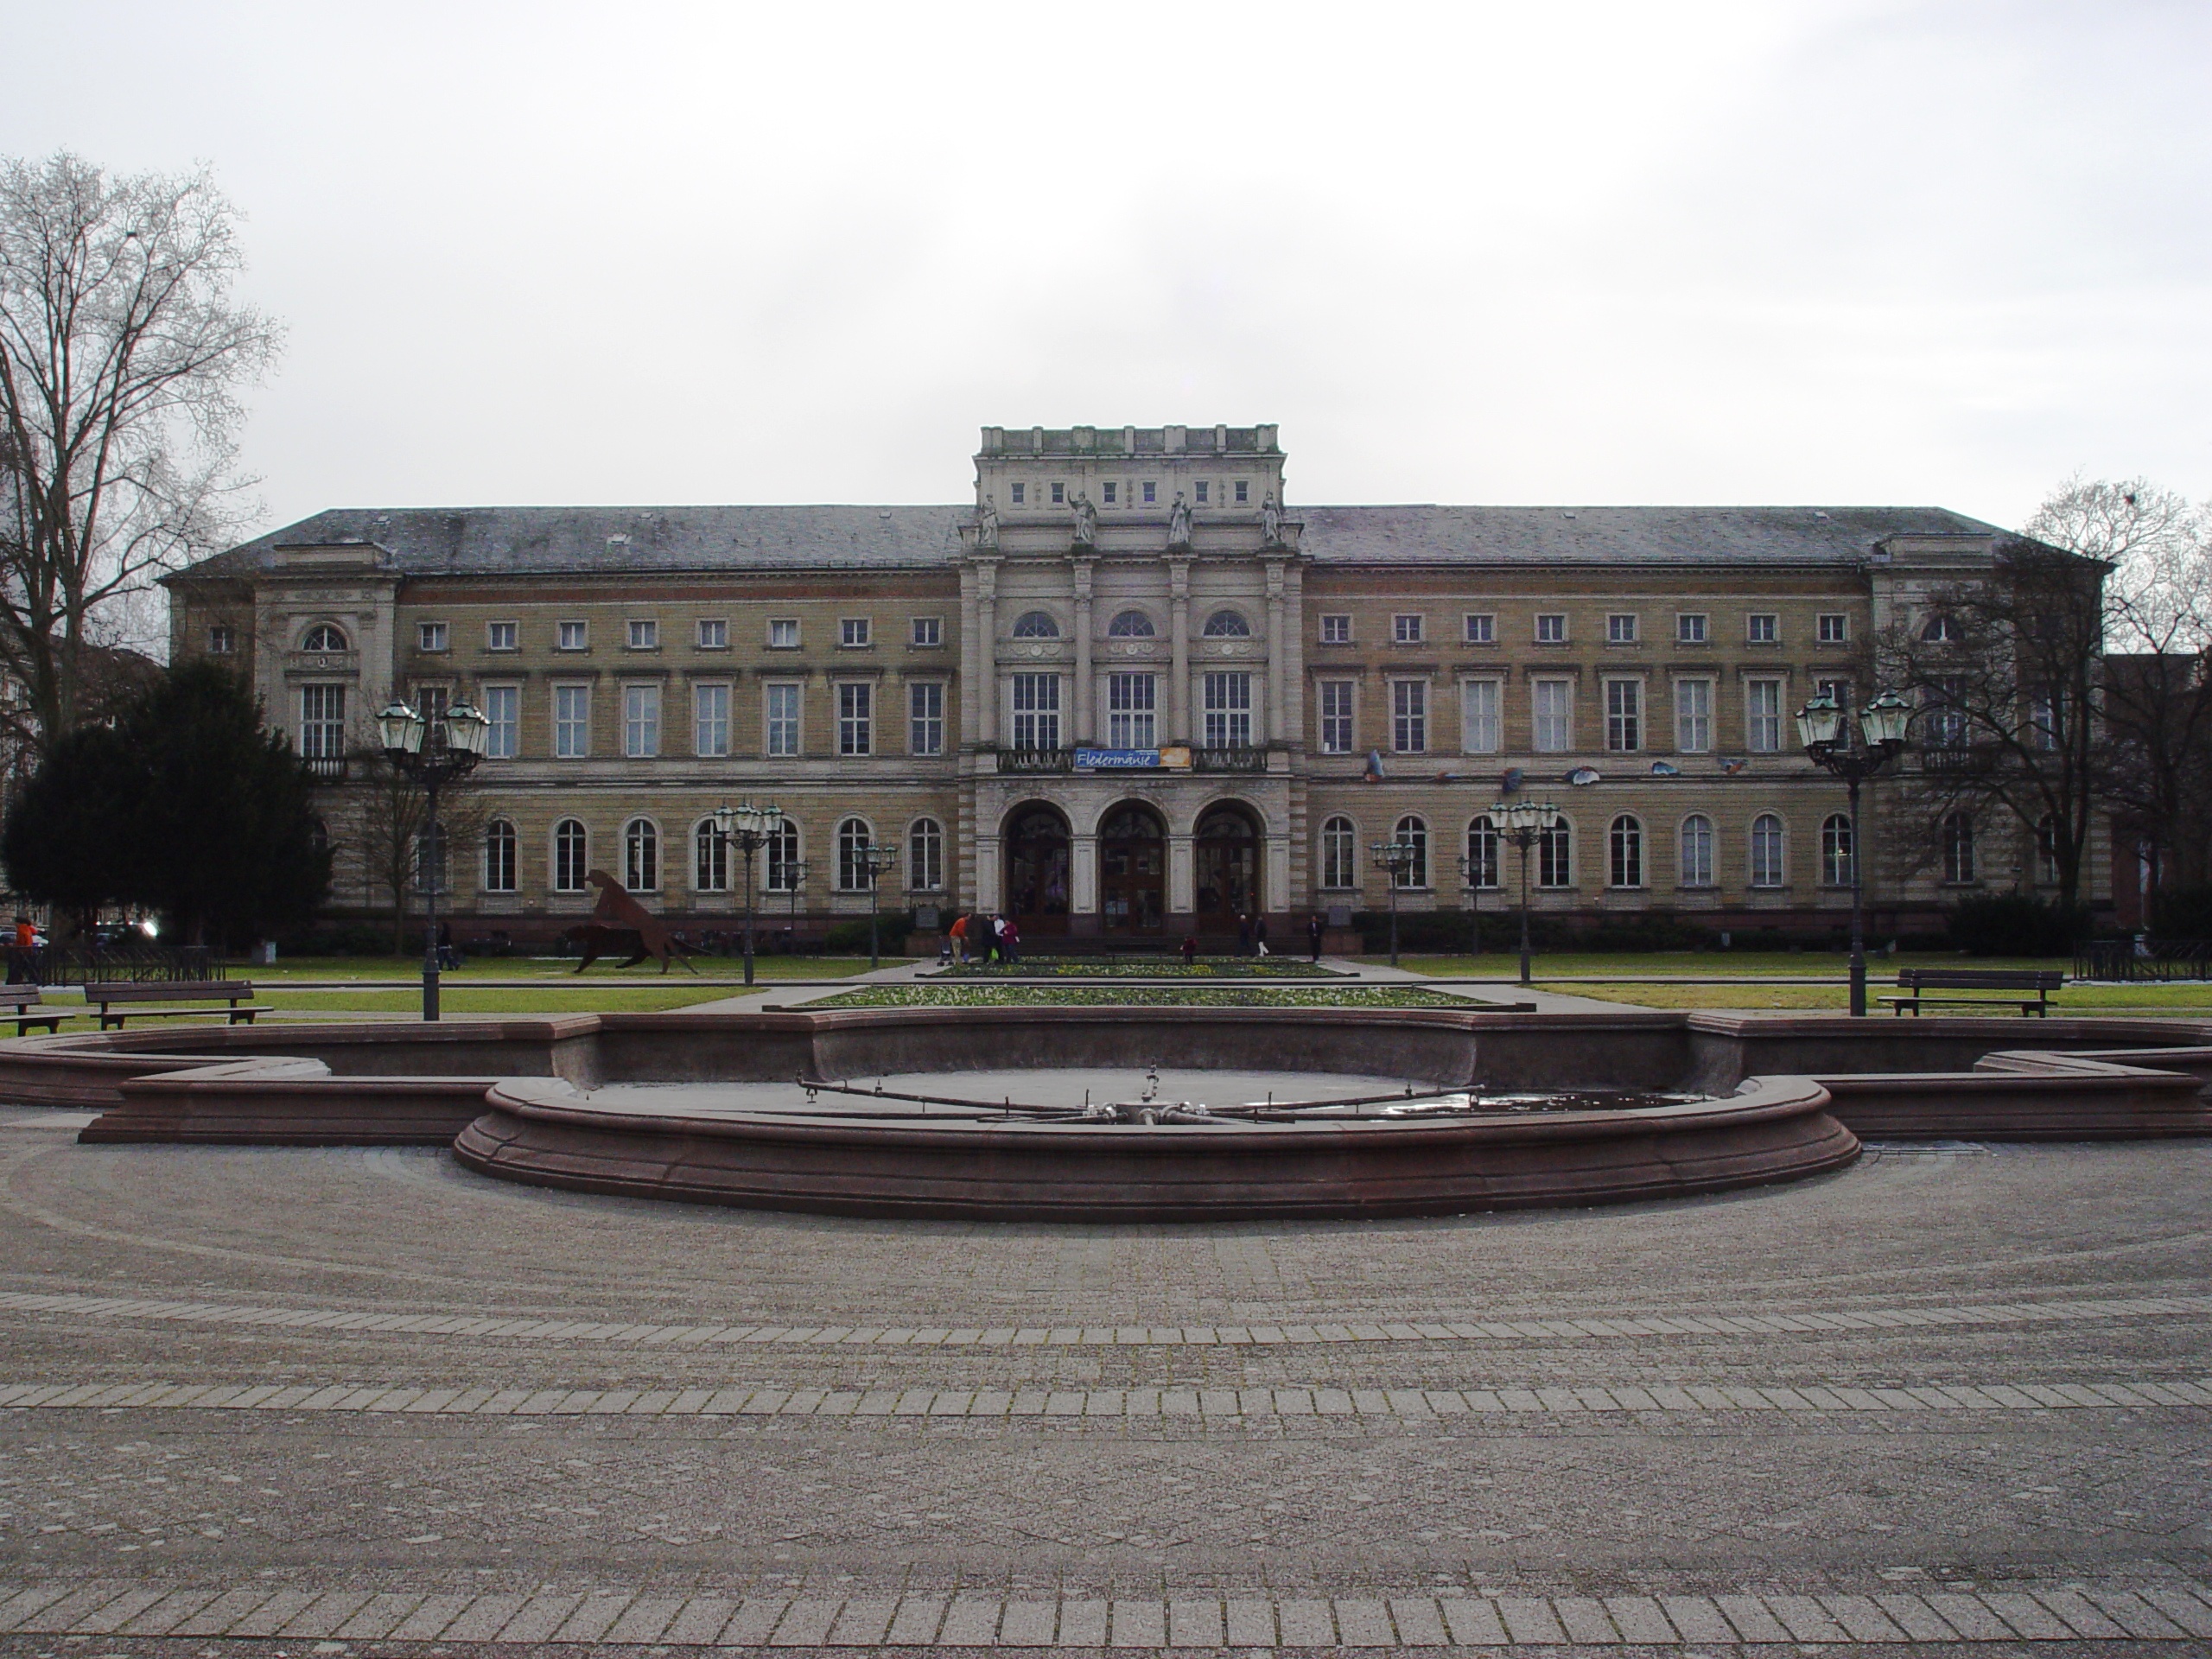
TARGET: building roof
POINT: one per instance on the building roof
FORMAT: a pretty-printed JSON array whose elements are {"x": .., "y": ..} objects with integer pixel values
[{"x": 537, "y": 541}]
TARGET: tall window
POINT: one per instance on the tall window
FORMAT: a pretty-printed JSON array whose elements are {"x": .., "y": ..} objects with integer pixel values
[
  {"x": 1697, "y": 851},
  {"x": 1130, "y": 625},
  {"x": 709, "y": 859},
  {"x": 1763, "y": 716},
  {"x": 1227, "y": 625},
  {"x": 1340, "y": 854},
  {"x": 1336, "y": 716},
  {"x": 502, "y": 708},
  {"x": 855, "y": 717},
  {"x": 1036, "y": 711},
  {"x": 1553, "y": 703},
  {"x": 322, "y": 722},
  {"x": 571, "y": 856},
  {"x": 1693, "y": 715},
  {"x": 1625, "y": 852},
  {"x": 1410, "y": 716},
  {"x": 1478, "y": 732},
  {"x": 1766, "y": 851},
  {"x": 1957, "y": 838},
  {"x": 571, "y": 722},
  {"x": 710, "y": 720},
  {"x": 1947, "y": 723},
  {"x": 641, "y": 857},
  {"x": 2046, "y": 716},
  {"x": 1482, "y": 853},
  {"x": 925, "y": 717},
  {"x": 498, "y": 856},
  {"x": 1835, "y": 851},
  {"x": 853, "y": 839},
  {"x": 640, "y": 721},
  {"x": 1555, "y": 857},
  {"x": 1036, "y": 624},
  {"x": 1623, "y": 714},
  {"x": 1131, "y": 723},
  {"x": 2047, "y": 851},
  {"x": 926, "y": 855},
  {"x": 781, "y": 713},
  {"x": 1229, "y": 711},
  {"x": 1414, "y": 833},
  {"x": 780, "y": 867}
]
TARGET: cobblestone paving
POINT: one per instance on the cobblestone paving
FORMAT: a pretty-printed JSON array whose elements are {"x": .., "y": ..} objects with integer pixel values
[{"x": 1955, "y": 1398}]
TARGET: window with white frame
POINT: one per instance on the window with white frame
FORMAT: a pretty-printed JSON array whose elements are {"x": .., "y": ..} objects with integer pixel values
[
  {"x": 779, "y": 714},
  {"x": 854, "y": 874},
  {"x": 713, "y": 633},
  {"x": 222, "y": 639},
  {"x": 1336, "y": 629},
  {"x": 855, "y": 717},
  {"x": 1340, "y": 854},
  {"x": 571, "y": 722},
  {"x": 1409, "y": 716},
  {"x": 783, "y": 633},
  {"x": 1763, "y": 716},
  {"x": 1229, "y": 711},
  {"x": 1551, "y": 627},
  {"x": 779, "y": 868},
  {"x": 1555, "y": 856},
  {"x": 1835, "y": 851},
  {"x": 1763, "y": 628},
  {"x": 1406, "y": 629},
  {"x": 710, "y": 858},
  {"x": 433, "y": 636},
  {"x": 322, "y": 722},
  {"x": 1696, "y": 850},
  {"x": 641, "y": 855},
  {"x": 1131, "y": 715},
  {"x": 1036, "y": 624},
  {"x": 1623, "y": 715},
  {"x": 571, "y": 856},
  {"x": 432, "y": 700},
  {"x": 1479, "y": 717},
  {"x": 1482, "y": 852},
  {"x": 645, "y": 634},
  {"x": 503, "y": 636},
  {"x": 503, "y": 709},
  {"x": 1956, "y": 837},
  {"x": 1693, "y": 715},
  {"x": 571, "y": 636},
  {"x": 1620, "y": 628},
  {"x": 925, "y": 631},
  {"x": 925, "y": 717},
  {"x": 1552, "y": 703},
  {"x": 1336, "y": 716},
  {"x": 710, "y": 720},
  {"x": 324, "y": 639},
  {"x": 1129, "y": 625},
  {"x": 854, "y": 632},
  {"x": 1227, "y": 625},
  {"x": 1036, "y": 711},
  {"x": 1413, "y": 833},
  {"x": 2046, "y": 717},
  {"x": 1481, "y": 628},
  {"x": 1834, "y": 628},
  {"x": 640, "y": 721},
  {"x": 1625, "y": 852},
  {"x": 1690, "y": 628},
  {"x": 499, "y": 846},
  {"x": 926, "y": 855},
  {"x": 1766, "y": 851},
  {"x": 1947, "y": 721}
]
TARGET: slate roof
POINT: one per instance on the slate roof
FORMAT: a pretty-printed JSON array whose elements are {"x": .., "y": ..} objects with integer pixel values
[{"x": 534, "y": 541}]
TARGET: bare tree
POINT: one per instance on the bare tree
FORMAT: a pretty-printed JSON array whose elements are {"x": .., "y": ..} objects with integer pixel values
[
  {"x": 122, "y": 355},
  {"x": 390, "y": 813}
]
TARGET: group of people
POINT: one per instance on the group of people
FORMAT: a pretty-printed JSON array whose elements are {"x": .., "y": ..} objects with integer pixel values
[{"x": 982, "y": 939}]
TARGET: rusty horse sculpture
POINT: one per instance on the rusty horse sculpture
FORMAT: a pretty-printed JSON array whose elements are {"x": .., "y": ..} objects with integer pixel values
[{"x": 620, "y": 923}]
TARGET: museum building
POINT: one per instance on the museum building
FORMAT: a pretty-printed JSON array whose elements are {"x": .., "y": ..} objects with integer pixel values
[{"x": 1126, "y": 691}]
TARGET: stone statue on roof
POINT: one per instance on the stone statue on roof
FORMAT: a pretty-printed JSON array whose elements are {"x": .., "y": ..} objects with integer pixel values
[
  {"x": 1086, "y": 520},
  {"x": 1179, "y": 522},
  {"x": 1270, "y": 522},
  {"x": 987, "y": 522}
]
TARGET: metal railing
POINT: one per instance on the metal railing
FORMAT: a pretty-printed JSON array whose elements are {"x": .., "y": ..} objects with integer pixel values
[
  {"x": 2142, "y": 960},
  {"x": 146, "y": 963},
  {"x": 1229, "y": 759},
  {"x": 1036, "y": 760}
]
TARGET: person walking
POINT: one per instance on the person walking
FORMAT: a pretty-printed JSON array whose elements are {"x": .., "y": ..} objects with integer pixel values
[
  {"x": 1010, "y": 938},
  {"x": 1243, "y": 934},
  {"x": 959, "y": 936},
  {"x": 1314, "y": 927},
  {"x": 1190, "y": 950},
  {"x": 1259, "y": 933}
]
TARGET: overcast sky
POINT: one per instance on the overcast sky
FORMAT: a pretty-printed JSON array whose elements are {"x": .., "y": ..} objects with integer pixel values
[{"x": 1837, "y": 251}]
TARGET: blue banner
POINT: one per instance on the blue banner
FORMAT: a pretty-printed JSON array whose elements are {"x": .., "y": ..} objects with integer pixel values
[{"x": 1116, "y": 759}]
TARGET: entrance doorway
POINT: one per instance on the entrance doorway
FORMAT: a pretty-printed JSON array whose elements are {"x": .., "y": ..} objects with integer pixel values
[
  {"x": 1133, "y": 871},
  {"x": 1228, "y": 867},
  {"x": 1037, "y": 843}
]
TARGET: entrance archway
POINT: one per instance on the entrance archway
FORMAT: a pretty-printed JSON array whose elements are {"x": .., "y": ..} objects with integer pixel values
[
  {"x": 1133, "y": 870},
  {"x": 1228, "y": 866},
  {"x": 1037, "y": 854}
]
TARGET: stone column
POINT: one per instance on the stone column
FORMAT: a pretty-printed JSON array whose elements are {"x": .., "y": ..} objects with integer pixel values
[
  {"x": 1179, "y": 630},
  {"x": 1277, "y": 729},
  {"x": 1182, "y": 879},
  {"x": 986, "y": 655},
  {"x": 1085, "y": 716},
  {"x": 1082, "y": 886}
]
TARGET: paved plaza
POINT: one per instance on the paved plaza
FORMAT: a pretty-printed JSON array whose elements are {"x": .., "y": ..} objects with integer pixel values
[{"x": 312, "y": 1402}]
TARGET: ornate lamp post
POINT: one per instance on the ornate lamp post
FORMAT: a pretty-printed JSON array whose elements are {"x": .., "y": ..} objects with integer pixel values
[
  {"x": 878, "y": 856},
  {"x": 1396, "y": 857},
  {"x": 1854, "y": 750},
  {"x": 1474, "y": 866},
  {"x": 433, "y": 753},
  {"x": 748, "y": 828},
  {"x": 1524, "y": 823}
]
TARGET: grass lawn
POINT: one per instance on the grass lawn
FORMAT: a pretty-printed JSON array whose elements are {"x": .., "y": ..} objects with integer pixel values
[
  {"x": 1138, "y": 997},
  {"x": 2093, "y": 998},
  {"x": 1714, "y": 964},
  {"x": 550, "y": 967},
  {"x": 1149, "y": 968}
]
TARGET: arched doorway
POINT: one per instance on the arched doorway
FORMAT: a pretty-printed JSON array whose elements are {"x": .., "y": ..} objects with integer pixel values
[
  {"x": 1228, "y": 867},
  {"x": 1037, "y": 846},
  {"x": 1133, "y": 870}
]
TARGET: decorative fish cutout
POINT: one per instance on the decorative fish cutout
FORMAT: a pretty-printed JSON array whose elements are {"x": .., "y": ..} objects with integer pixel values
[
  {"x": 1661, "y": 769},
  {"x": 1374, "y": 773},
  {"x": 1731, "y": 767},
  {"x": 1583, "y": 776}
]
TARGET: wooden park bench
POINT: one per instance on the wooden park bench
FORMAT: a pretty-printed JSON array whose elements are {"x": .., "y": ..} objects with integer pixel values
[
  {"x": 1920, "y": 980},
  {"x": 116, "y": 1001},
  {"x": 20, "y": 1003}
]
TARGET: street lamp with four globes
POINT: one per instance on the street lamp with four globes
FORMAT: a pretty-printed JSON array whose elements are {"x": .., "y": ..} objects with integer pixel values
[
  {"x": 748, "y": 828},
  {"x": 1854, "y": 750},
  {"x": 1524, "y": 823},
  {"x": 434, "y": 752},
  {"x": 1398, "y": 857}
]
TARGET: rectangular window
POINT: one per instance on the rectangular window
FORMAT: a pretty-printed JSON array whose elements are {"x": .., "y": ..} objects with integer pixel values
[
  {"x": 925, "y": 856},
  {"x": 1060, "y": 495},
  {"x": 1553, "y": 705},
  {"x": 571, "y": 722},
  {"x": 433, "y": 701},
  {"x": 1763, "y": 628},
  {"x": 1837, "y": 691},
  {"x": 1229, "y": 711},
  {"x": 1131, "y": 722},
  {"x": 1947, "y": 725},
  {"x": 1624, "y": 718},
  {"x": 1551, "y": 628},
  {"x": 925, "y": 717},
  {"x": 780, "y": 709},
  {"x": 713, "y": 633},
  {"x": 1202, "y": 487},
  {"x": 710, "y": 720},
  {"x": 2046, "y": 717},
  {"x": 783, "y": 633},
  {"x": 1689, "y": 628},
  {"x": 1482, "y": 629},
  {"x": 1243, "y": 493},
  {"x": 1036, "y": 711},
  {"x": 1620, "y": 629},
  {"x": 1693, "y": 715},
  {"x": 502, "y": 636},
  {"x": 1478, "y": 731},
  {"x": 641, "y": 721},
  {"x": 1151, "y": 495},
  {"x": 222, "y": 639},
  {"x": 1109, "y": 495},
  {"x": 1020, "y": 493},
  {"x": 1409, "y": 716},
  {"x": 852, "y": 631},
  {"x": 322, "y": 722},
  {"x": 1336, "y": 629},
  {"x": 1555, "y": 857},
  {"x": 855, "y": 718},
  {"x": 1406, "y": 629},
  {"x": 502, "y": 708},
  {"x": 571, "y": 636},
  {"x": 1763, "y": 716},
  {"x": 1336, "y": 716},
  {"x": 645, "y": 634},
  {"x": 1835, "y": 628},
  {"x": 927, "y": 630},
  {"x": 433, "y": 636}
]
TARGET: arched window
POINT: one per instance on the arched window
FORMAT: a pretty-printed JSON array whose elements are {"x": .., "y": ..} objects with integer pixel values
[
  {"x": 1036, "y": 624},
  {"x": 571, "y": 856},
  {"x": 641, "y": 857},
  {"x": 2047, "y": 851},
  {"x": 709, "y": 859},
  {"x": 1766, "y": 850},
  {"x": 924, "y": 855},
  {"x": 1414, "y": 833},
  {"x": 1625, "y": 852},
  {"x": 852, "y": 838},
  {"x": 1555, "y": 856},
  {"x": 1941, "y": 630},
  {"x": 1835, "y": 851},
  {"x": 1482, "y": 853},
  {"x": 498, "y": 856},
  {"x": 431, "y": 860},
  {"x": 1957, "y": 837},
  {"x": 1130, "y": 625},
  {"x": 1697, "y": 851},
  {"x": 1340, "y": 854},
  {"x": 1227, "y": 625},
  {"x": 782, "y": 870},
  {"x": 324, "y": 637}
]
